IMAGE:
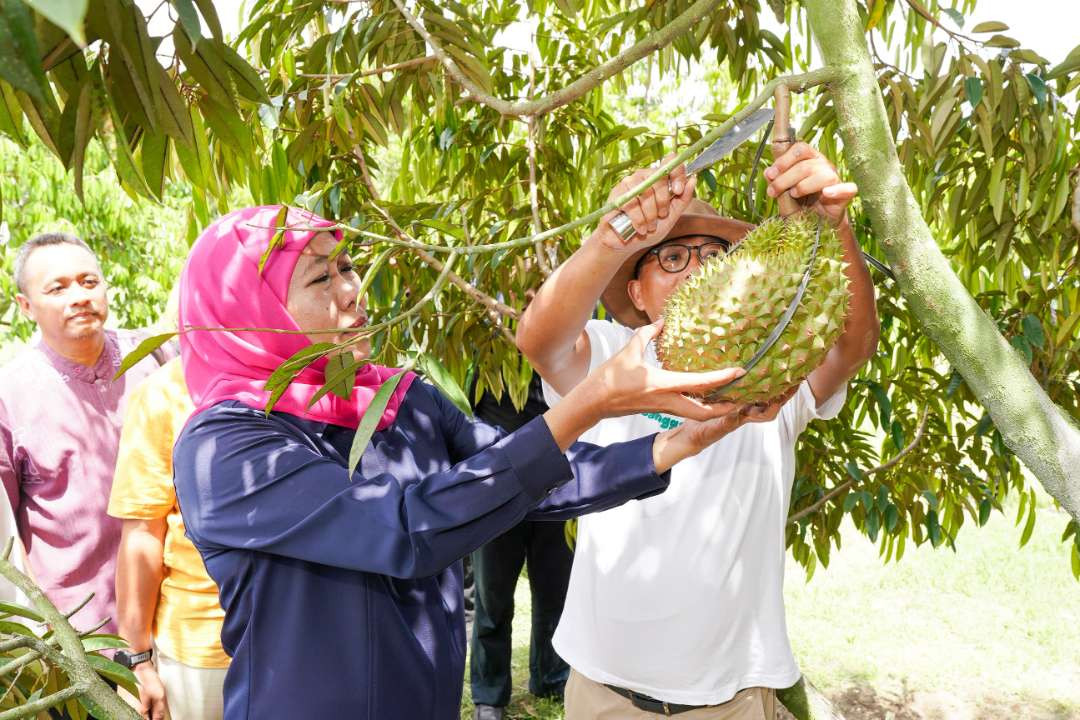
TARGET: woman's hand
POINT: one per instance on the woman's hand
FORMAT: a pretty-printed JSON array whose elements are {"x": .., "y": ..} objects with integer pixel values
[
  {"x": 626, "y": 384},
  {"x": 690, "y": 438},
  {"x": 653, "y": 212},
  {"x": 803, "y": 171},
  {"x": 152, "y": 702}
]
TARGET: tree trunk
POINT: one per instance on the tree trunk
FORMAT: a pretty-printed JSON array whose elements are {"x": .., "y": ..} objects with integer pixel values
[{"x": 1033, "y": 427}]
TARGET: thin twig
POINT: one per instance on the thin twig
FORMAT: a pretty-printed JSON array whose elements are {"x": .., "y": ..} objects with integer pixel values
[
  {"x": 579, "y": 87},
  {"x": 404, "y": 65},
  {"x": 846, "y": 485},
  {"x": 30, "y": 709},
  {"x": 534, "y": 197},
  {"x": 927, "y": 15}
]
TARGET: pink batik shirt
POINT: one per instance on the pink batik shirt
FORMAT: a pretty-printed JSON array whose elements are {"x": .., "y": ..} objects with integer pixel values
[{"x": 59, "y": 430}]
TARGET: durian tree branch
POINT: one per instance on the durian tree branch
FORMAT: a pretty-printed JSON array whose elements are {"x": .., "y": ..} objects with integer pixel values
[
  {"x": 796, "y": 83},
  {"x": 847, "y": 484},
  {"x": 1031, "y": 425},
  {"x": 588, "y": 81},
  {"x": 72, "y": 658}
]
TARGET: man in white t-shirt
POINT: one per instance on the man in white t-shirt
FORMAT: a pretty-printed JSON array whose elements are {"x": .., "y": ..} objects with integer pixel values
[{"x": 675, "y": 603}]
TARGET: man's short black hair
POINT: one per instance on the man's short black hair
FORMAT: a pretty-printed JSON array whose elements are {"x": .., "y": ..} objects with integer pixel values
[{"x": 39, "y": 241}]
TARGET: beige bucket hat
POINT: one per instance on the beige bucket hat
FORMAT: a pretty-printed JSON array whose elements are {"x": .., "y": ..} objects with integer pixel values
[{"x": 699, "y": 219}]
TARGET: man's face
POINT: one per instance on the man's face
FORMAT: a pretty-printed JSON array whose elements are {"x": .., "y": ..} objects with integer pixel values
[
  {"x": 65, "y": 293},
  {"x": 651, "y": 288}
]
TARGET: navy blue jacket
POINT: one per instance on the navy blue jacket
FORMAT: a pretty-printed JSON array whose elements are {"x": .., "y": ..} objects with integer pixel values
[{"x": 343, "y": 596}]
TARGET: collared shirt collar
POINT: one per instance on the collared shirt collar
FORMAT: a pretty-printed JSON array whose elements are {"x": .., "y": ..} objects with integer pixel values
[{"x": 103, "y": 370}]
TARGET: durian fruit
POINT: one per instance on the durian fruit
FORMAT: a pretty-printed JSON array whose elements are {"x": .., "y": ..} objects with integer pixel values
[{"x": 723, "y": 313}]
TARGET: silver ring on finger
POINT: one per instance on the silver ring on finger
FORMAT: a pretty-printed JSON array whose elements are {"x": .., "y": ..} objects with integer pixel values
[{"x": 623, "y": 225}]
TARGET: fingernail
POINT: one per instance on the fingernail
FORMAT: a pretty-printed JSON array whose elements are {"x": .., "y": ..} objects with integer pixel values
[
  {"x": 677, "y": 187},
  {"x": 770, "y": 192},
  {"x": 793, "y": 192},
  {"x": 770, "y": 173}
]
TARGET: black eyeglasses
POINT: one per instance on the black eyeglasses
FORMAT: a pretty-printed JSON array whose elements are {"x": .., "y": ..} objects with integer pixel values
[{"x": 674, "y": 257}]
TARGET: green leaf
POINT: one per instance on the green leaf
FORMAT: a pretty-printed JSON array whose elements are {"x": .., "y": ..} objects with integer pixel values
[
  {"x": 933, "y": 527},
  {"x": 283, "y": 374},
  {"x": 14, "y": 609},
  {"x": 144, "y": 348},
  {"x": 189, "y": 20},
  {"x": 1070, "y": 64},
  {"x": 990, "y": 26},
  {"x": 892, "y": 518},
  {"x": 279, "y": 236},
  {"x": 83, "y": 130},
  {"x": 92, "y": 643},
  {"x": 248, "y": 82},
  {"x": 1038, "y": 88},
  {"x": 68, "y": 15},
  {"x": 438, "y": 374},
  {"x": 931, "y": 498},
  {"x": 973, "y": 89},
  {"x": 207, "y": 65},
  {"x": 883, "y": 403},
  {"x": 19, "y": 53},
  {"x": 877, "y": 10},
  {"x": 850, "y": 501},
  {"x": 154, "y": 153},
  {"x": 1021, "y": 343},
  {"x": 1033, "y": 331},
  {"x": 709, "y": 178},
  {"x": 1003, "y": 41},
  {"x": 114, "y": 671},
  {"x": 444, "y": 227},
  {"x": 956, "y": 15},
  {"x": 897, "y": 432},
  {"x": 873, "y": 524},
  {"x": 371, "y": 418},
  {"x": 341, "y": 374},
  {"x": 985, "y": 507},
  {"x": 1029, "y": 527},
  {"x": 955, "y": 381},
  {"x": 854, "y": 471}
]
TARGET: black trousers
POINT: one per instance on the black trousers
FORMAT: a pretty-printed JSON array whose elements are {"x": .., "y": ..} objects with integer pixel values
[{"x": 496, "y": 568}]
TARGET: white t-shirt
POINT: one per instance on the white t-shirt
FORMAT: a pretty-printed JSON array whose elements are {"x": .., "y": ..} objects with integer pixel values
[{"x": 680, "y": 596}]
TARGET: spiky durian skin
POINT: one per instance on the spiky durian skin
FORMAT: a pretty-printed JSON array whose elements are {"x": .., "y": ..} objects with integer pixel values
[{"x": 722, "y": 314}]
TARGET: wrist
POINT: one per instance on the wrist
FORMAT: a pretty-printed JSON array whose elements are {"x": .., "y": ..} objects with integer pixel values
[{"x": 668, "y": 449}]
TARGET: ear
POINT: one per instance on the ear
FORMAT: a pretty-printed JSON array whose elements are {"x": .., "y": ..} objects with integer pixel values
[
  {"x": 24, "y": 306},
  {"x": 633, "y": 289}
]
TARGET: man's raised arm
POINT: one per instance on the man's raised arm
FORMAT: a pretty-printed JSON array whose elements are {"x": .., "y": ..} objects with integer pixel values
[{"x": 551, "y": 332}]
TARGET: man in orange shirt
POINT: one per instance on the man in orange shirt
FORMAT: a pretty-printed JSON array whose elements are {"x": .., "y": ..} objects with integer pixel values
[{"x": 167, "y": 606}]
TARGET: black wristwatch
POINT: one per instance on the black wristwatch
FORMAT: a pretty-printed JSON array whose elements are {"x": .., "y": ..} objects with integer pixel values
[{"x": 130, "y": 660}]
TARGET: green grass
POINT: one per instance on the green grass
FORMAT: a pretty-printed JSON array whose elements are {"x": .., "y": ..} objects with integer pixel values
[{"x": 990, "y": 631}]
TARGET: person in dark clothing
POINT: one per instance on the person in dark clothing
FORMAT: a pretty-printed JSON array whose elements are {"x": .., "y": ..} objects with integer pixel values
[
  {"x": 496, "y": 568},
  {"x": 343, "y": 592}
]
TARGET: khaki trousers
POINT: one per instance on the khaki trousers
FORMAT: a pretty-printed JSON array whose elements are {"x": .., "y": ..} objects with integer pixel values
[
  {"x": 589, "y": 700},
  {"x": 192, "y": 693}
]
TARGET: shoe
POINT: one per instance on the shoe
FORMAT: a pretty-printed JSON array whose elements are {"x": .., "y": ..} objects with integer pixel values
[{"x": 488, "y": 712}]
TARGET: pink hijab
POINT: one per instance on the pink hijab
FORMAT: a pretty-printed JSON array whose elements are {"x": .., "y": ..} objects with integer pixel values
[{"x": 221, "y": 287}]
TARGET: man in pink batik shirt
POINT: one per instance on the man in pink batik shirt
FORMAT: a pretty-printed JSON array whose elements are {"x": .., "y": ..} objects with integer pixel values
[{"x": 60, "y": 415}]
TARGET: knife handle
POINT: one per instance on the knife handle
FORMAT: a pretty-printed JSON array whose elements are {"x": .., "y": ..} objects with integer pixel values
[{"x": 783, "y": 135}]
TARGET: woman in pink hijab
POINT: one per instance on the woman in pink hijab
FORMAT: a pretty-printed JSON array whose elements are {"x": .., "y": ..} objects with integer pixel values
[{"x": 343, "y": 594}]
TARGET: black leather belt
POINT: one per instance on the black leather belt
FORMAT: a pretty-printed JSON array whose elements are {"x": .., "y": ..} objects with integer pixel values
[{"x": 651, "y": 704}]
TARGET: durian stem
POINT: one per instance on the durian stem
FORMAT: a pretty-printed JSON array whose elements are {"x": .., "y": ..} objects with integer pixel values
[{"x": 1041, "y": 434}]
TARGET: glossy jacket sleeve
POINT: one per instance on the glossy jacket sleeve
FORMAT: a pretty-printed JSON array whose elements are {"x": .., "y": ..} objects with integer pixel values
[
  {"x": 603, "y": 477},
  {"x": 246, "y": 481}
]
